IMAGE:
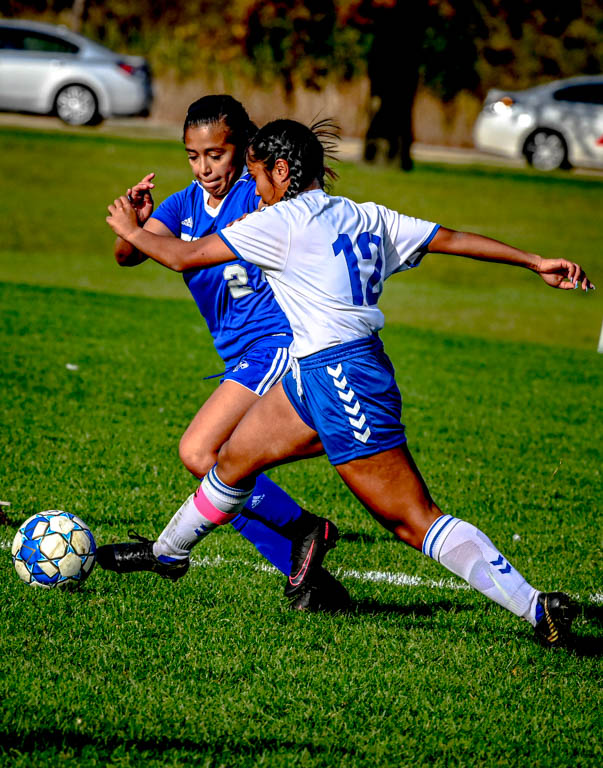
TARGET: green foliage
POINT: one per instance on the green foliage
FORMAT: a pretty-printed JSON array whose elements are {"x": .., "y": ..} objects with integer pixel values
[
  {"x": 465, "y": 45},
  {"x": 526, "y": 43},
  {"x": 302, "y": 42},
  {"x": 493, "y": 43},
  {"x": 449, "y": 57}
]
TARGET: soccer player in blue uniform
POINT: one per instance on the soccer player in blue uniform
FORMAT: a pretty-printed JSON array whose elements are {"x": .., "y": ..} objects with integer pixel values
[
  {"x": 326, "y": 259},
  {"x": 251, "y": 335}
]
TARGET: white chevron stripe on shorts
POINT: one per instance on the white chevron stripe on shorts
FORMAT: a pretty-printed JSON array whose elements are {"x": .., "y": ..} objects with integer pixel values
[{"x": 354, "y": 408}]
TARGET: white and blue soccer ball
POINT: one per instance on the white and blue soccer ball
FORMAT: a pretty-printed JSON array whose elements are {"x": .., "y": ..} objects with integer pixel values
[{"x": 53, "y": 549}]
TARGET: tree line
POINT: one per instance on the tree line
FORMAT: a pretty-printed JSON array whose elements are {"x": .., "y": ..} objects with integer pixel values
[{"x": 445, "y": 45}]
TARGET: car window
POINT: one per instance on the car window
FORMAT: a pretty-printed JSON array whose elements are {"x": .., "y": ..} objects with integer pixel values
[
  {"x": 11, "y": 39},
  {"x": 36, "y": 42},
  {"x": 26, "y": 40},
  {"x": 584, "y": 94}
]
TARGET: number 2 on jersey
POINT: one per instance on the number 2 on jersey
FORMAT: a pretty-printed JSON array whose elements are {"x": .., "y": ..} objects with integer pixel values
[
  {"x": 373, "y": 283},
  {"x": 237, "y": 279}
]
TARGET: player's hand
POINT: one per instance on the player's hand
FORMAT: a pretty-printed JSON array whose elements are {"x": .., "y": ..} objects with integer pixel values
[
  {"x": 122, "y": 219},
  {"x": 141, "y": 199},
  {"x": 560, "y": 273},
  {"x": 244, "y": 216}
]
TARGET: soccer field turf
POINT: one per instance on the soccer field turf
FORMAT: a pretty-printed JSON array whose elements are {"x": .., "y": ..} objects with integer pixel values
[{"x": 502, "y": 402}]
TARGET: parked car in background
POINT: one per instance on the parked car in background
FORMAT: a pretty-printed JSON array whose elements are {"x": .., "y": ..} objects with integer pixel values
[
  {"x": 48, "y": 69},
  {"x": 556, "y": 125}
]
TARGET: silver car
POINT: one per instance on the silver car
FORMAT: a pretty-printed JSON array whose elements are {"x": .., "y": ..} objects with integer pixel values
[
  {"x": 50, "y": 70},
  {"x": 557, "y": 125}
]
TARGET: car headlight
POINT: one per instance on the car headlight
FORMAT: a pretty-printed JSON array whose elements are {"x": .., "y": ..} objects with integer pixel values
[{"x": 524, "y": 120}]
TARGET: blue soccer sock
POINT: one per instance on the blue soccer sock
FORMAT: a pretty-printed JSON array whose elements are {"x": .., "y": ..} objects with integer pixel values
[
  {"x": 270, "y": 503},
  {"x": 275, "y": 547},
  {"x": 268, "y": 510}
]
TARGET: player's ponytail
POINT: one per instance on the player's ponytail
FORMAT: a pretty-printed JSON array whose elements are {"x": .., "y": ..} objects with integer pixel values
[
  {"x": 211, "y": 110},
  {"x": 304, "y": 148}
]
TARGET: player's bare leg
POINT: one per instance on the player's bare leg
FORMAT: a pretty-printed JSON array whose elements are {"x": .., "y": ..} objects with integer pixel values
[
  {"x": 391, "y": 487},
  {"x": 199, "y": 446},
  {"x": 213, "y": 424},
  {"x": 271, "y": 434}
]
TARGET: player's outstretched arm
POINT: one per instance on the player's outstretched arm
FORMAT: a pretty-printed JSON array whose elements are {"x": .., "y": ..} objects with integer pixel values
[
  {"x": 558, "y": 273},
  {"x": 172, "y": 252}
]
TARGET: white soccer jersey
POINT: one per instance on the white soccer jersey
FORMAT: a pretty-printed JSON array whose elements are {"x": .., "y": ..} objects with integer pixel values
[{"x": 326, "y": 259}]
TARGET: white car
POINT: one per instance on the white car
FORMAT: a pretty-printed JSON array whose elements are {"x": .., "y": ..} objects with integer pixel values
[
  {"x": 557, "y": 125},
  {"x": 48, "y": 69}
]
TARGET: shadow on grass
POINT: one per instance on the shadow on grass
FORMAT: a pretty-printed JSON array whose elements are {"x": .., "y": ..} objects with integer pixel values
[
  {"x": 594, "y": 614},
  {"x": 367, "y": 538},
  {"x": 371, "y": 607},
  {"x": 589, "y": 645},
  {"x": 579, "y": 645},
  {"x": 6, "y": 520},
  {"x": 46, "y": 739}
]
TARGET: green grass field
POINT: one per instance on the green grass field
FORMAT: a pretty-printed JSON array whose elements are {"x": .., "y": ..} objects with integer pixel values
[{"x": 502, "y": 395}]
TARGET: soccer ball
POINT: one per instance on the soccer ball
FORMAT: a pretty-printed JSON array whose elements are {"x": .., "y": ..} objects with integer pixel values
[{"x": 53, "y": 549}]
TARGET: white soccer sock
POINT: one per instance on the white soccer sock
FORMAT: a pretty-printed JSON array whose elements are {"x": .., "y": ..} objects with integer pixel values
[
  {"x": 215, "y": 497},
  {"x": 212, "y": 505},
  {"x": 469, "y": 553}
]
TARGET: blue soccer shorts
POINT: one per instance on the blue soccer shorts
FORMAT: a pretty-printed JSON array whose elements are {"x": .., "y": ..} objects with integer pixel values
[
  {"x": 349, "y": 395},
  {"x": 262, "y": 364}
]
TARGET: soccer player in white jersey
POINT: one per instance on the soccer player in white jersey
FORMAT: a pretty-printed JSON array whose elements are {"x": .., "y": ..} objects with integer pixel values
[
  {"x": 252, "y": 336},
  {"x": 326, "y": 259}
]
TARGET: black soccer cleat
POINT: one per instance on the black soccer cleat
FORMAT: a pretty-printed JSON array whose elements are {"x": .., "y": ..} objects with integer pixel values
[
  {"x": 322, "y": 593},
  {"x": 308, "y": 550},
  {"x": 558, "y": 611},
  {"x": 131, "y": 556}
]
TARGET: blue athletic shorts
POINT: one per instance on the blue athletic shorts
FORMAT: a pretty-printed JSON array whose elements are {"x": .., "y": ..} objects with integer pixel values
[
  {"x": 350, "y": 397},
  {"x": 261, "y": 365}
]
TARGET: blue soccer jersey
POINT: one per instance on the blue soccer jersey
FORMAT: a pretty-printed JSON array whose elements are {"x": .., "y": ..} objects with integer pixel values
[{"x": 236, "y": 301}]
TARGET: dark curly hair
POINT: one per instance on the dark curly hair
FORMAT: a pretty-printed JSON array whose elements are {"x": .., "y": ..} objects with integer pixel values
[
  {"x": 211, "y": 110},
  {"x": 304, "y": 148}
]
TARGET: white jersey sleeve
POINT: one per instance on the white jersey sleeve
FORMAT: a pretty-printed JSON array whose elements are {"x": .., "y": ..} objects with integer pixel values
[
  {"x": 262, "y": 238},
  {"x": 405, "y": 240}
]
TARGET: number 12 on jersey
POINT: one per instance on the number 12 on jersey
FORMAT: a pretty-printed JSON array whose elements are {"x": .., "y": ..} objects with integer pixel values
[{"x": 366, "y": 284}]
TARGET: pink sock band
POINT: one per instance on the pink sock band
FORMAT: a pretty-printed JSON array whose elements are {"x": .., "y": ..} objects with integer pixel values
[{"x": 209, "y": 512}]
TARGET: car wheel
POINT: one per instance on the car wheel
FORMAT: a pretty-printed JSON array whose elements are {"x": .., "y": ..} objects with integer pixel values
[
  {"x": 546, "y": 150},
  {"x": 77, "y": 105}
]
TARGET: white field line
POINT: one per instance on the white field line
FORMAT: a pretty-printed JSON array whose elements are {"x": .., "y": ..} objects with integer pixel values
[{"x": 396, "y": 579}]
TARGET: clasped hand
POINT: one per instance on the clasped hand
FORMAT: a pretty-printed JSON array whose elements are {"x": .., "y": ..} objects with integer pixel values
[{"x": 122, "y": 218}]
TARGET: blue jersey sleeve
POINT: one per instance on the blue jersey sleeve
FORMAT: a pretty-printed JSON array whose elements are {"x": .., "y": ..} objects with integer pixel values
[{"x": 169, "y": 212}]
